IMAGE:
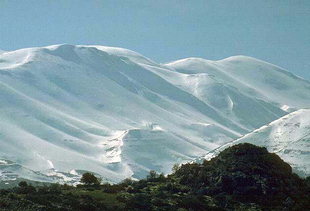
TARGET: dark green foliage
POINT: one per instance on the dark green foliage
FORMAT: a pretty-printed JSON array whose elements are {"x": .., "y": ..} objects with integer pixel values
[
  {"x": 242, "y": 177},
  {"x": 22, "y": 184},
  {"x": 308, "y": 181},
  {"x": 89, "y": 179},
  {"x": 154, "y": 177},
  {"x": 246, "y": 174},
  {"x": 108, "y": 188},
  {"x": 24, "y": 188}
]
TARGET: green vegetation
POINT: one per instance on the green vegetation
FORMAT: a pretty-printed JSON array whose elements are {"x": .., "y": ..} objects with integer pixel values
[
  {"x": 90, "y": 179},
  {"x": 242, "y": 177}
]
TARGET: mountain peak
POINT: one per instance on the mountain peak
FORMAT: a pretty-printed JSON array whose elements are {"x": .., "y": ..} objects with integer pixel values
[{"x": 99, "y": 105}]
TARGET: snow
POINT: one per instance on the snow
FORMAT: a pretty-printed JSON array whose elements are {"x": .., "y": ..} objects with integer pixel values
[
  {"x": 289, "y": 137},
  {"x": 125, "y": 53},
  {"x": 67, "y": 109},
  {"x": 3, "y": 162},
  {"x": 285, "y": 108},
  {"x": 251, "y": 76}
]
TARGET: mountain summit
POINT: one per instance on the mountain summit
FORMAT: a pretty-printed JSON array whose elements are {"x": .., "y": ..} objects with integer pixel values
[{"x": 66, "y": 109}]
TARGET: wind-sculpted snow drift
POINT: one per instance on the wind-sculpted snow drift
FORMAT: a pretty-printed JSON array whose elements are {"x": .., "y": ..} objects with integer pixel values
[{"x": 67, "y": 109}]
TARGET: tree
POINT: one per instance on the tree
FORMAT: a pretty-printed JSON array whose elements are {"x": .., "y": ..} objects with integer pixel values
[
  {"x": 152, "y": 176},
  {"x": 89, "y": 179},
  {"x": 23, "y": 184},
  {"x": 175, "y": 168},
  {"x": 25, "y": 188},
  {"x": 155, "y": 177}
]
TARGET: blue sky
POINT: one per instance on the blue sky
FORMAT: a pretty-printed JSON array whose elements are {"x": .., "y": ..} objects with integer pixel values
[{"x": 277, "y": 31}]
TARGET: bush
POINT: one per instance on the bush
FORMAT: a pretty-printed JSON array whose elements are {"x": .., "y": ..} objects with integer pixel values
[
  {"x": 24, "y": 188},
  {"x": 89, "y": 179}
]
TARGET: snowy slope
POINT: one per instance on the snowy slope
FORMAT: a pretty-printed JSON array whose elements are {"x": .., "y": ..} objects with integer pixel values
[
  {"x": 66, "y": 108},
  {"x": 289, "y": 137},
  {"x": 251, "y": 77},
  {"x": 249, "y": 74}
]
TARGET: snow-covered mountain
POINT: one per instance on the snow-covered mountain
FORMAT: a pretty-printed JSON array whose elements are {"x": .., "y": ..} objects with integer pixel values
[
  {"x": 289, "y": 137},
  {"x": 66, "y": 109}
]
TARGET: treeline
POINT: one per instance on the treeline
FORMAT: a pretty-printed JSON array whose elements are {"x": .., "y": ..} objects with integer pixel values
[{"x": 242, "y": 177}]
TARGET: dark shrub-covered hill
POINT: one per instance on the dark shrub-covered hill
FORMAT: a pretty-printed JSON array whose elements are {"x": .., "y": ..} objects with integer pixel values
[{"x": 248, "y": 174}]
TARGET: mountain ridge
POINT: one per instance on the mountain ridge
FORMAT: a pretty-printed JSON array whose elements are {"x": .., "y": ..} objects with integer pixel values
[{"x": 94, "y": 108}]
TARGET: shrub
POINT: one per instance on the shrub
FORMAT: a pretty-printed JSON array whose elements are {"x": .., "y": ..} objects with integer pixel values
[{"x": 89, "y": 179}]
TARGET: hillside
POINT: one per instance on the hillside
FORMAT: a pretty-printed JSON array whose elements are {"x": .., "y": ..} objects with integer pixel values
[
  {"x": 288, "y": 137},
  {"x": 68, "y": 109},
  {"x": 242, "y": 177}
]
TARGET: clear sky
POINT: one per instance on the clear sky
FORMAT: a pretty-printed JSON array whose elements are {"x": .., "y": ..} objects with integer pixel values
[{"x": 277, "y": 31}]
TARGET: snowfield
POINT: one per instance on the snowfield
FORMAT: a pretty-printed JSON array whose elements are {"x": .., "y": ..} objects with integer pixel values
[
  {"x": 68, "y": 109},
  {"x": 289, "y": 137}
]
